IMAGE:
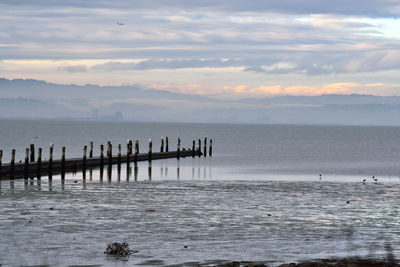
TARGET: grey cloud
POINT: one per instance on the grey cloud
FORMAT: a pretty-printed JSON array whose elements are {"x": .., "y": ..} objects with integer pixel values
[
  {"x": 74, "y": 69},
  {"x": 178, "y": 40},
  {"x": 370, "y": 8},
  {"x": 335, "y": 63},
  {"x": 166, "y": 64},
  {"x": 258, "y": 69},
  {"x": 311, "y": 63}
]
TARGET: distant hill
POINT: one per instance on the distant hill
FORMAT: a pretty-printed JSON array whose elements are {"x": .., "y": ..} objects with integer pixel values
[
  {"x": 41, "y": 89},
  {"x": 33, "y": 108},
  {"x": 33, "y": 99}
]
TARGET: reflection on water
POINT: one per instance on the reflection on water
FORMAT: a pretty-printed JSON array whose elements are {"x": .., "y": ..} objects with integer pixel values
[
  {"x": 109, "y": 173},
  {"x": 141, "y": 171},
  {"x": 183, "y": 169},
  {"x": 50, "y": 184},
  {"x": 136, "y": 170},
  {"x": 149, "y": 169},
  {"x": 177, "y": 170}
]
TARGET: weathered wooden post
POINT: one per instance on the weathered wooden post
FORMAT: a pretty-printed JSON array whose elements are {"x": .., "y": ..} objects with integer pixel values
[
  {"x": 84, "y": 159},
  {"x": 119, "y": 157},
  {"x": 199, "y": 144},
  {"x": 205, "y": 147},
  {"x": 32, "y": 152},
  {"x": 39, "y": 163},
  {"x": 136, "y": 151},
  {"x": 51, "y": 162},
  {"x": 150, "y": 149},
  {"x": 128, "y": 154},
  {"x": 193, "y": 148},
  {"x": 101, "y": 157},
  {"x": 63, "y": 163},
  {"x": 178, "y": 150},
  {"x": 210, "y": 148},
  {"x": 26, "y": 164},
  {"x": 1, "y": 162},
  {"x": 162, "y": 144},
  {"x": 91, "y": 150},
  {"x": 166, "y": 144},
  {"x": 109, "y": 153},
  {"x": 130, "y": 145},
  {"x": 12, "y": 164},
  {"x": 101, "y": 173}
]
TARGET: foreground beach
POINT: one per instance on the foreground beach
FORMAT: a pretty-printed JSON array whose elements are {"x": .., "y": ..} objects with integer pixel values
[
  {"x": 346, "y": 262},
  {"x": 173, "y": 222}
]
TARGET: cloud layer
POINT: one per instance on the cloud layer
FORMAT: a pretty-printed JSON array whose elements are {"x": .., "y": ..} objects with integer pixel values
[{"x": 211, "y": 43}]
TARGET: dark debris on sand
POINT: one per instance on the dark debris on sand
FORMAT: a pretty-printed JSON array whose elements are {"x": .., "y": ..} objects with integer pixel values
[
  {"x": 347, "y": 262},
  {"x": 118, "y": 249}
]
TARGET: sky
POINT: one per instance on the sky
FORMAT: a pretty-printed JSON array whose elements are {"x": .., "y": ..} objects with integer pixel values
[{"x": 217, "y": 48}]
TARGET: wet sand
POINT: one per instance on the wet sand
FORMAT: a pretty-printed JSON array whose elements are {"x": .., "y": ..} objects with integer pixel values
[
  {"x": 192, "y": 223},
  {"x": 345, "y": 262}
]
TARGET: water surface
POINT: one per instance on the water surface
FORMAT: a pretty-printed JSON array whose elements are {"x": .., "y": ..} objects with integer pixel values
[{"x": 258, "y": 198}]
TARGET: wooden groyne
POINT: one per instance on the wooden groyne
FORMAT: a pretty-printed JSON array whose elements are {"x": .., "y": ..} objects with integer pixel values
[{"x": 31, "y": 168}]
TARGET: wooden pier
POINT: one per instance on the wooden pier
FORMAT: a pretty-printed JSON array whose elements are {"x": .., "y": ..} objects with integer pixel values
[{"x": 31, "y": 168}]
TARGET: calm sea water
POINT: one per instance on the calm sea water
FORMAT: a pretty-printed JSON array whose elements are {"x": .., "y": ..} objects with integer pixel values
[
  {"x": 244, "y": 152},
  {"x": 258, "y": 198}
]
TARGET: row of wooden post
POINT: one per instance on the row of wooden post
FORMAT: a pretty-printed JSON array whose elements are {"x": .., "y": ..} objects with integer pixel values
[{"x": 30, "y": 155}]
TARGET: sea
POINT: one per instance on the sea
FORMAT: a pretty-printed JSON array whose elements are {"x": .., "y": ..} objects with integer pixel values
[{"x": 269, "y": 193}]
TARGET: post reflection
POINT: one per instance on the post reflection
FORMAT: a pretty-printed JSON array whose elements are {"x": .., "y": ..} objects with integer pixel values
[
  {"x": 101, "y": 174},
  {"x": 135, "y": 171},
  {"x": 12, "y": 186},
  {"x": 119, "y": 173},
  {"x": 128, "y": 172},
  {"x": 109, "y": 173},
  {"x": 50, "y": 184},
  {"x": 39, "y": 184},
  {"x": 154, "y": 172},
  {"x": 149, "y": 169},
  {"x": 26, "y": 184}
]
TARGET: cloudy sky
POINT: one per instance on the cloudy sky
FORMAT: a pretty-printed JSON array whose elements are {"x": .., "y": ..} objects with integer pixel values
[{"x": 220, "y": 48}]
